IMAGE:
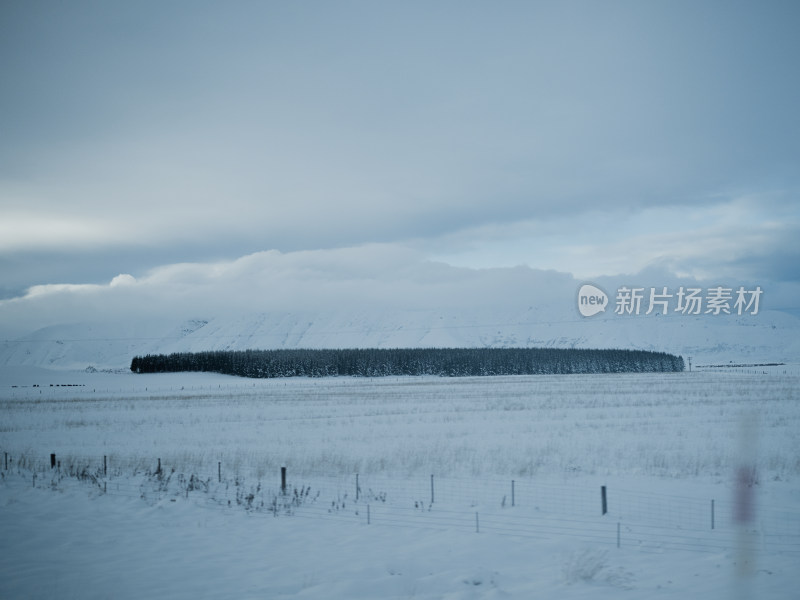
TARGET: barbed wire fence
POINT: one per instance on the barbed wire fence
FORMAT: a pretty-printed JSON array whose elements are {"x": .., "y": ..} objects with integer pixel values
[{"x": 526, "y": 508}]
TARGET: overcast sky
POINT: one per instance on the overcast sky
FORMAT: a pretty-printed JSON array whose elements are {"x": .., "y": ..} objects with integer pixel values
[{"x": 343, "y": 139}]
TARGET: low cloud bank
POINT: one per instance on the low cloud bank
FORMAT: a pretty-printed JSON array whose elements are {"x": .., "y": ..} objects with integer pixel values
[{"x": 364, "y": 278}]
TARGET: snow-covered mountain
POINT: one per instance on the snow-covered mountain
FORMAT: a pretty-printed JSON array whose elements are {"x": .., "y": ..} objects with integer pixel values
[{"x": 770, "y": 336}]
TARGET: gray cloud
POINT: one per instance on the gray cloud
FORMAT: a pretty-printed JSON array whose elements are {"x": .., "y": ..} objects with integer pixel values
[
  {"x": 367, "y": 278},
  {"x": 350, "y": 279},
  {"x": 543, "y": 134}
]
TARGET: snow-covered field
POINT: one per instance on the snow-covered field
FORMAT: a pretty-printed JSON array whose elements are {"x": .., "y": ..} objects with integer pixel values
[{"x": 410, "y": 487}]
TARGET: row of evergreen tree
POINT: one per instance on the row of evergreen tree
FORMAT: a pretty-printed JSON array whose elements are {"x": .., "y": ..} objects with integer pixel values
[{"x": 374, "y": 362}]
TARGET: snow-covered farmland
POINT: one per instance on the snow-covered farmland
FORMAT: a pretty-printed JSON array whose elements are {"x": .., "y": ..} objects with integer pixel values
[
  {"x": 515, "y": 465},
  {"x": 664, "y": 425}
]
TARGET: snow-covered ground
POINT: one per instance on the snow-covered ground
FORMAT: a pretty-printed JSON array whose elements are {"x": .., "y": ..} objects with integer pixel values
[
  {"x": 465, "y": 488},
  {"x": 770, "y": 336},
  {"x": 82, "y": 545}
]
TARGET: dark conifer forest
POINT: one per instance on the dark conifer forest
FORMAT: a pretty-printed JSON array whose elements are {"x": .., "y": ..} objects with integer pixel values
[{"x": 444, "y": 362}]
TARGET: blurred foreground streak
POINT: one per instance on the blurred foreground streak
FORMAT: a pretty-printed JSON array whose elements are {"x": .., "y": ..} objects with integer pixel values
[{"x": 745, "y": 505}]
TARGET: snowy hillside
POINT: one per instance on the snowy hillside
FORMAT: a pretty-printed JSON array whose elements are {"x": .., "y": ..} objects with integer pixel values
[{"x": 770, "y": 336}]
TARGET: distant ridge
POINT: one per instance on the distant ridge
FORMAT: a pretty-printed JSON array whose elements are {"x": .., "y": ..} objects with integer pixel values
[{"x": 769, "y": 337}]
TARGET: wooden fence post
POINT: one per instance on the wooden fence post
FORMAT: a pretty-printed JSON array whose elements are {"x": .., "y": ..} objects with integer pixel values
[{"x": 712, "y": 514}]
